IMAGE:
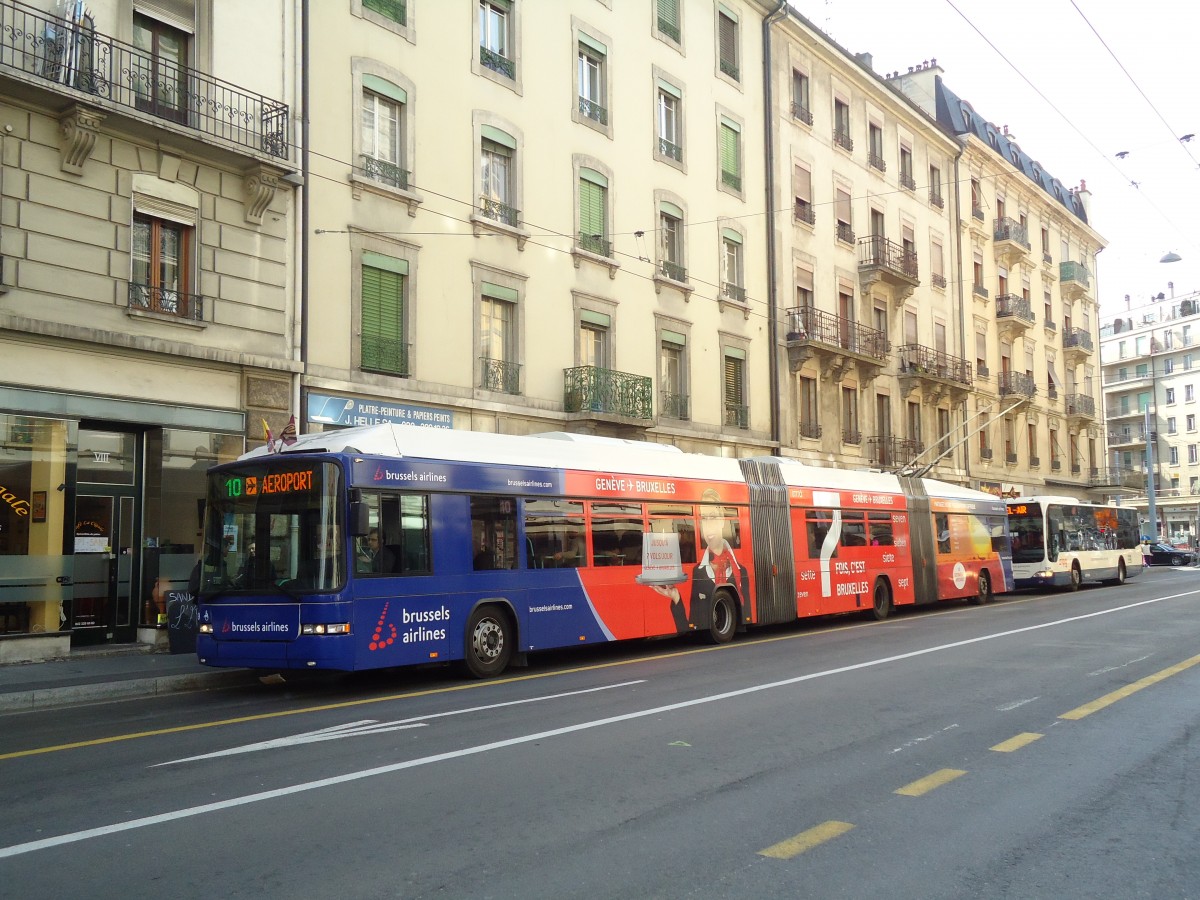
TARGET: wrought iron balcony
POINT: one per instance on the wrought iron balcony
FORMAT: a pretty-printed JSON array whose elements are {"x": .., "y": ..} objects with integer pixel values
[
  {"x": 669, "y": 28},
  {"x": 595, "y": 243},
  {"x": 1016, "y": 384},
  {"x": 396, "y": 10},
  {"x": 490, "y": 59},
  {"x": 919, "y": 361},
  {"x": 1034, "y": 462},
  {"x": 845, "y": 233},
  {"x": 1013, "y": 314},
  {"x": 97, "y": 68},
  {"x": 803, "y": 113},
  {"x": 907, "y": 181},
  {"x": 982, "y": 371},
  {"x": 1051, "y": 392},
  {"x": 384, "y": 355},
  {"x": 979, "y": 291},
  {"x": 1081, "y": 406},
  {"x": 731, "y": 179},
  {"x": 938, "y": 281},
  {"x": 810, "y": 430},
  {"x": 673, "y": 406},
  {"x": 1078, "y": 341},
  {"x": 499, "y": 375},
  {"x": 1056, "y": 464},
  {"x": 596, "y": 390},
  {"x": 887, "y": 451},
  {"x": 843, "y": 139},
  {"x": 501, "y": 212},
  {"x": 851, "y": 436},
  {"x": 152, "y": 298},
  {"x": 385, "y": 172},
  {"x": 733, "y": 291},
  {"x": 977, "y": 212},
  {"x": 985, "y": 452},
  {"x": 1010, "y": 458},
  {"x": 805, "y": 212},
  {"x": 670, "y": 150},
  {"x": 936, "y": 199},
  {"x": 1072, "y": 280},
  {"x": 673, "y": 271},
  {"x": 1011, "y": 240},
  {"x": 1128, "y": 436},
  {"x": 882, "y": 260},
  {"x": 1050, "y": 325},
  {"x": 1118, "y": 476},
  {"x": 875, "y": 161},
  {"x": 1076, "y": 468},
  {"x": 593, "y": 110},
  {"x": 808, "y": 328},
  {"x": 737, "y": 415}
]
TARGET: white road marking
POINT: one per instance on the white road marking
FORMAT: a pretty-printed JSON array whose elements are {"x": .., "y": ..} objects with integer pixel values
[
  {"x": 1117, "y": 668},
  {"x": 247, "y": 799},
  {"x": 921, "y": 740},
  {"x": 1009, "y": 707}
]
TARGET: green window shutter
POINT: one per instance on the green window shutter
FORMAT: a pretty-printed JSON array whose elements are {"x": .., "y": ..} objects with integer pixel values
[
  {"x": 729, "y": 151},
  {"x": 673, "y": 337},
  {"x": 733, "y": 379},
  {"x": 591, "y": 208},
  {"x": 383, "y": 347},
  {"x": 668, "y": 12},
  {"x": 384, "y": 88}
]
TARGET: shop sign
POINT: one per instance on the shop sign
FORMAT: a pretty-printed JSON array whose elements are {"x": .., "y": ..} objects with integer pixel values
[
  {"x": 18, "y": 505},
  {"x": 328, "y": 409}
]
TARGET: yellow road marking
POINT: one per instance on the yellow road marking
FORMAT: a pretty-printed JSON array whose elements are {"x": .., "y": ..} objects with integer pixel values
[
  {"x": 1016, "y": 743},
  {"x": 929, "y": 782},
  {"x": 1108, "y": 699},
  {"x": 806, "y": 840}
]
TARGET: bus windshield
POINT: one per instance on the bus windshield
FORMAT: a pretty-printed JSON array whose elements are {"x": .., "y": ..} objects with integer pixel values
[
  {"x": 1027, "y": 532},
  {"x": 274, "y": 525}
]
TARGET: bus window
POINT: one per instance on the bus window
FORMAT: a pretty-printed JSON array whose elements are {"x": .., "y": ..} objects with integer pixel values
[
  {"x": 493, "y": 533},
  {"x": 398, "y": 540},
  {"x": 880, "y": 525},
  {"x": 941, "y": 527},
  {"x": 676, "y": 517},
  {"x": 616, "y": 533},
  {"x": 995, "y": 526},
  {"x": 818, "y": 523},
  {"x": 854, "y": 530},
  {"x": 555, "y": 534}
]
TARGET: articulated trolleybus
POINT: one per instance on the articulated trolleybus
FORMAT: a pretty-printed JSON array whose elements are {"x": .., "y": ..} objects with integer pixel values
[
  {"x": 1060, "y": 542},
  {"x": 385, "y": 545}
]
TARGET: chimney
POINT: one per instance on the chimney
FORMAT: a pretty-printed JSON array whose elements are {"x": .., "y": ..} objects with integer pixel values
[
  {"x": 1085, "y": 198},
  {"x": 866, "y": 59},
  {"x": 920, "y": 84}
]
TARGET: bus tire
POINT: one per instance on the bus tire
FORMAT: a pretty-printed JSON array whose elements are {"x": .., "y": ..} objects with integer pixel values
[
  {"x": 1076, "y": 577},
  {"x": 489, "y": 642},
  {"x": 723, "y": 618},
  {"x": 983, "y": 590},
  {"x": 881, "y": 599},
  {"x": 1120, "y": 579}
]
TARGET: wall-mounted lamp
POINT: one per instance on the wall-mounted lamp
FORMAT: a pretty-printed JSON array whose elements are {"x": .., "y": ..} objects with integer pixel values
[
  {"x": 62, "y": 487},
  {"x": 1170, "y": 256}
]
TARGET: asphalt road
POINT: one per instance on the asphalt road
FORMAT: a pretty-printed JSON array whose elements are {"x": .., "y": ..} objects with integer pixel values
[{"x": 1041, "y": 746}]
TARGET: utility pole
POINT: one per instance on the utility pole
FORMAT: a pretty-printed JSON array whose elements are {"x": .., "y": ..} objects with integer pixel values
[{"x": 1153, "y": 510}]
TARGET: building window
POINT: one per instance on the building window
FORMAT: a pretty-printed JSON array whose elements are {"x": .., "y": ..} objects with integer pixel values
[
  {"x": 669, "y": 23},
  {"x": 851, "y": 431},
  {"x": 907, "y": 180},
  {"x": 1170, "y": 395},
  {"x": 497, "y": 192},
  {"x": 669, "y": 122},
  {"x": 731, "y": 266},
  {"x": 1191, "y": 422},
  {"x": 1189, "y": 393},
  {"x": 875, "y": 147},
  {"x": 1192, "y": 454},
  {"x": 160, "y": 76},
  {"x": 383, "y": 316},
  {"x": 737, "y": 413},
  {"x": 1171, "y": 425},
  {"x": 800, "y": 97},
  {"x": 845, "y": 228},
  {"x": 810, "y": 413},
  {"x": 727, "y": 43},
  {"x": 671, "y": 377},
  {"x": 499, "y": 369},
  {"x": 593, "y": 341},
  {"x": 593, "y": 213},
  {"x": 914, "y": 422},
  {"x": 802, "y": 183},
  {"x": 943, "y": 427},
  {"x": 731, "y": 155},
  {"x": 161, "y": 275},
  {"x": 976, "y": 199},
  {"x": 670, "y": 242},
  {"x": 593, "y": 89},
  {"x": 382, "y": 140},
  {"x": 935, "y": 187},
  {"x": 1174, "y": 456},
  {"x": 394, "y": 10},
  {"x": 495, "y": 37},
  {"x": 841, "y": 125}
]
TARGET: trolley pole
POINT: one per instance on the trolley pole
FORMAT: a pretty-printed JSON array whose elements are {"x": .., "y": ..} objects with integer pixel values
[{"x": 1153, "y": 510}]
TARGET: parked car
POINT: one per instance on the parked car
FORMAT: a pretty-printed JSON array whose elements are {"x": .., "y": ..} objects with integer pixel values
[{"x": 1168, "y": 555}]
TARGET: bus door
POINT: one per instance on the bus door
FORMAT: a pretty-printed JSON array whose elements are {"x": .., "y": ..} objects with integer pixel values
[
  {"x": 921, "y": 541},
  {"x": 774, "y": 575}
]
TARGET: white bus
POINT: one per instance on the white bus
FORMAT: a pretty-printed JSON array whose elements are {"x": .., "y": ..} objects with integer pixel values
[{"x": 1062, "y": 542}]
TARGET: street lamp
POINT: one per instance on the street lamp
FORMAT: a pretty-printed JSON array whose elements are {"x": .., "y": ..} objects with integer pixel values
[{"x": 1170, "y": 256}]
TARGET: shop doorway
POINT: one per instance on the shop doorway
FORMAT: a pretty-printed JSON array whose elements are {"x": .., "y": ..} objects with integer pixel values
[{"x": 106, "y": 544}]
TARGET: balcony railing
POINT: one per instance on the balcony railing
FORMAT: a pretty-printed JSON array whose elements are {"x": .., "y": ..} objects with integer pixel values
[
  {"x": 490, "y": 59},
  {"x": 673, "y": 406},
  {"x": 805, "y": 212},
  {"x": 875, "y": 161},
  {"x": 669, "y": 28},
  {"x": 1014, "y": 306},
  {"x": 499, "y": 375},
  {"x": 673, "y": 271},
  {"x": 595, "y": 243},
  {"x": 1034, "y": 462},
  {"x": 876, "y": 250},
  {"x": 843, "y": 139},
  {"x": 985, "y": 452},
  {"x": 1118, "y": 476},
  {"x": 979, "y": 291},
  {"x": 670, "y": 150},
  {"x": 385, "y": 172},
  {"x": 807, "y": 323},
  {"x": 977, "y": 212},
  {"x": 500, "y": 212},
  {"x": 152, "y": 298},
  {"x": 938, "y": 281},
  {"x": 845, "y": 233},
  {"x": 809, "y": 429},
  {"x": 731, "y": 179},
  {"x": 1016, "y": 384},
  {"x": 593, "y": 110},
  {"x": 1010, "y": 458},
  {"x": 737, "y": 415},
  {"x": 907, "y": 181},
  {"x": 1081, "y": 405},
  {"x": 851, "y": 436},
  {"x": 803, "y": 113},
  {"x": 730, "y": 68},
  {"x": 1056, "y": 464},
  {"x": 100, "y": 67},
  {"x": 1011, "y": 230},
  {"x": 935, "y": 199},
  {"x": 733, "y": 291},
  {"x": 1049, "y": 324},
  {"x": 593, "y": 389},
  {"x": 1073, "y": 271},
  {"x": 381, "y": 354},
  {"x": 926, "y": 362},
  {"x": 1078, "y": 338},
  {"x": 396, "y": 10},
  {"x": 887, "y": 451}
]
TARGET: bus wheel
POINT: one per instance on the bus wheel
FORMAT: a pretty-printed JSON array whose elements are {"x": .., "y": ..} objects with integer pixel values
[
  {"x": 881, "y": 600},
  {"x": 1076, "y": 577},
  {"x": 489, "y": 644},
  {"x": 723, "y": 618},
  {"x": 983, "y": 594},
  {"x": 1120, "y": 579}
]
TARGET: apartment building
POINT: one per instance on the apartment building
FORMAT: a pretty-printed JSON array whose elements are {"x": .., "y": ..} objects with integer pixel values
[
  {"x": 1151, "y": 371},
  {"x": 538, "y": 217},
  {"x": 1025, "y": 262},
  {"x": 145, "y": 313}
]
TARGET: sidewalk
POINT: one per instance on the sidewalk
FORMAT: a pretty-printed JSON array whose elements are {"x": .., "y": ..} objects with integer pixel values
[{"x": 108, "y": 673}]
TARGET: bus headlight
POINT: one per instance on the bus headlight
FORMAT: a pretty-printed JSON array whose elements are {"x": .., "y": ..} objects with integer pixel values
[
  {"x": 326, "y": 628},
  {"x": 206, "y": 628}
]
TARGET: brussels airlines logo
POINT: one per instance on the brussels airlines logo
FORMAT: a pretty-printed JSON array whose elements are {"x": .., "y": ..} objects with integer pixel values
[
  {"x": 378, "y": 641},
  {"x": 379, "y": 473}
]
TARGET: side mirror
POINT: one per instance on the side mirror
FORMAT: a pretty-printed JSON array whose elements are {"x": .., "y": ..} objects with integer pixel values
[{"x": 360, "y": 522}]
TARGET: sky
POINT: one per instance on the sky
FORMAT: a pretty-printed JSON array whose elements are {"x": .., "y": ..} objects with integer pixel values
[{"x": 1077, "y": 82}]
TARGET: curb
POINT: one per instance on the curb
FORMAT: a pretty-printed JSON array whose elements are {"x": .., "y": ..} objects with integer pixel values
[{"x": 46, "y": 698}]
